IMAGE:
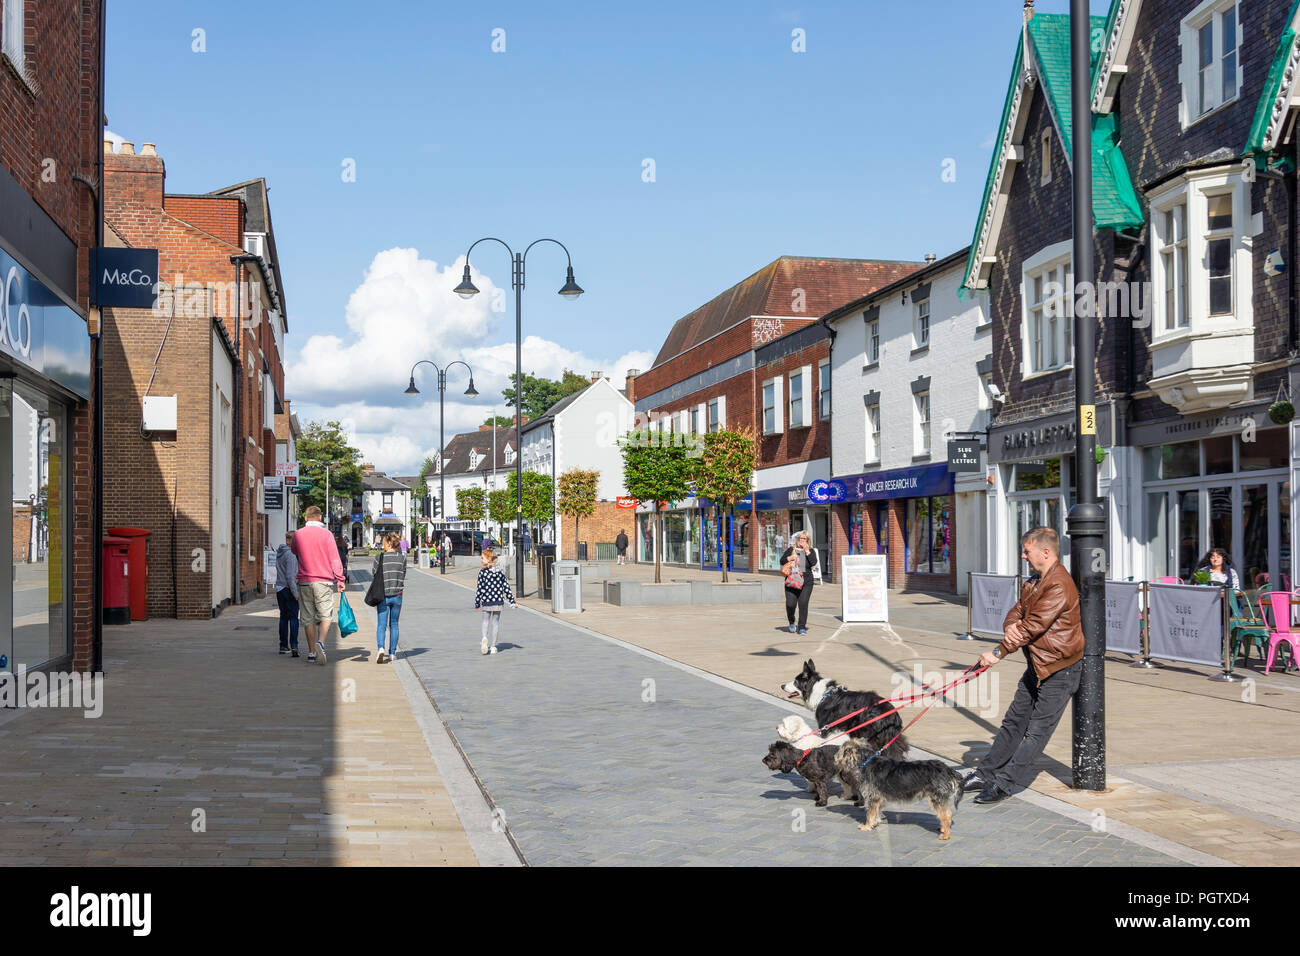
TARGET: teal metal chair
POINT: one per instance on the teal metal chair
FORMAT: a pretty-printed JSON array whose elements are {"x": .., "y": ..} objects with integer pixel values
[{"x": 1246, "y": 626}]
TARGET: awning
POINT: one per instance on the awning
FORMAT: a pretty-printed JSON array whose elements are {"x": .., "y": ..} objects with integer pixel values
[{"x": 387, "y": 522}]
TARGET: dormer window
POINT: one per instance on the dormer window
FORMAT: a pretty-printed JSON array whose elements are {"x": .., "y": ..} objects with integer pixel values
[{"x": 1211, "y": 66}]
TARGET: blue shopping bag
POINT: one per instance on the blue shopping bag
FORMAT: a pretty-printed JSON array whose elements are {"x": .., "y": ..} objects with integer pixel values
[{"x": 347, "y": 620}]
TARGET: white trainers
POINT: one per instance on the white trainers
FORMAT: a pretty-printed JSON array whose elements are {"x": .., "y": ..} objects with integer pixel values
[
  {"x": 493, "y": 649},
  {"x": 483, "y": 645},
  {"x": 381, "y": 657},
  {"x": 320, "y": 653}
]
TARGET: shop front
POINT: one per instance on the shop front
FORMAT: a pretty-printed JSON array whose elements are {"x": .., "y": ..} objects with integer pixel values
[
  {"x": 1216, "y": 481},
  {"x": 44, "y": 376},
  {"x": 696, "y": 534}
]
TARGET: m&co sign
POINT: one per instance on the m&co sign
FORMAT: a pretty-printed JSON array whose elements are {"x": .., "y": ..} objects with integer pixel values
[{"x": 625, "y": 502}]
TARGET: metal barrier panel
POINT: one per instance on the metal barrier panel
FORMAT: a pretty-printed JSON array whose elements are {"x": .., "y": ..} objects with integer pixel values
[
  {"x": 1124, "y": 616},
  {"x": 1186, "y": 623},
  {"x": 991, "y": 598}
]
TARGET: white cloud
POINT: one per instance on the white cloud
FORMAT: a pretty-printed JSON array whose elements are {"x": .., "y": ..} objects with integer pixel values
[{"x": 405, "y": 299}]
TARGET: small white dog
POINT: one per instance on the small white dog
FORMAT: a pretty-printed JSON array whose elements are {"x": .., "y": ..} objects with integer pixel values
[{"x": 795, "y": 730}]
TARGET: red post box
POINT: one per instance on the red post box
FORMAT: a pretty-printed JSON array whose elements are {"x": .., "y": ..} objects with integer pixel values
[
  {"x": 138, "y": 569},
  {"x": 117, "y": 598}
]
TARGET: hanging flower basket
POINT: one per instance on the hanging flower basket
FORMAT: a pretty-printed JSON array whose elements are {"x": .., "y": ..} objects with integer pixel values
[
  {"x": 1280, "y": 413},
  {"x": 1100, "y": 454}
]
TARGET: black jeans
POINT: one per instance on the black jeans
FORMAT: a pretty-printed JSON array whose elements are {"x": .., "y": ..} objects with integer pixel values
[
  {"x": 1027, "y": 726},
  {"x": 798, "y": 598},
  {"x": 288, "y": 619}
]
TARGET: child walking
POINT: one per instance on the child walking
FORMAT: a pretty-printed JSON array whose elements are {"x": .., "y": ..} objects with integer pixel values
[{"x": 491, "y": 594}]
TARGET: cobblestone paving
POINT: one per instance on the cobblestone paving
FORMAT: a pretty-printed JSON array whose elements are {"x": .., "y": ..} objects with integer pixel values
[{"x": 597, "y": 754}]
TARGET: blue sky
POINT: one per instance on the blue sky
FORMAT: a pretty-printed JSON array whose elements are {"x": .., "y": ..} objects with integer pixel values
[{"x": 758, "y": 152}]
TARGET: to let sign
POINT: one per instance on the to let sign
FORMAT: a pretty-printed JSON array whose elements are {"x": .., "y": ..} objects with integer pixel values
[
  {"x": 964, "y": 455},
  {"x": 272, "y": 493},
  {"x": 125, "y": 278}
]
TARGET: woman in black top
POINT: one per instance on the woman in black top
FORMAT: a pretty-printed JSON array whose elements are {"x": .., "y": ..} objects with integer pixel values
[
  {"x": 391, "y": 564},
  {"x": 803, "y": 559}
]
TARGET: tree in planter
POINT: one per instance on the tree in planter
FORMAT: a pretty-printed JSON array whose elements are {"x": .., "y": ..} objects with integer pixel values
[
  {"x": 470, "y": 505},
  {"x": 539, "y": 493},
  {"x": 725, "y": 470},
  {"x": 577, "y": 498},
  {"x": 501, "y": 508},
  {"x": 656, "y": 468}
]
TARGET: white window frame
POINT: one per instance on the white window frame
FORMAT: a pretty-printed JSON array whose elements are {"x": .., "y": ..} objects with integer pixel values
[
  {"x": 796, "y": 403},
  {"x": 824, "y": 390},
  {"x": 777, "y": 406},
  {"x": 921, "y": 415},
  {"x": 13, "y": 36},
  {"x": 1045, "y": 156},
  {"x": 872, "y": 434},
  {"x": 873, "y": 341},
  {"x": 1055, "y": 311},
  {"x": 712, "y": 424},
  {"x": 695, "y": 419},
  {"x": 1191, "y": 108},
  {"x": 921, "y": 324},
  {"x": 1193, "y": 190}
]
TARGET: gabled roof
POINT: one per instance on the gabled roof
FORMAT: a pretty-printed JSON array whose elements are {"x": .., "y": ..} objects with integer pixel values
[
  {"x": 458, "y": 448},
  {"x": 827, "y": 283},
  {"x": 555, "y": 409},
  {"x": 1121, "y": 22},
  {"x": 1279, "y": 90},
  {"x": 1042, "y": 62},
  {"x": 380, "y": 482}
]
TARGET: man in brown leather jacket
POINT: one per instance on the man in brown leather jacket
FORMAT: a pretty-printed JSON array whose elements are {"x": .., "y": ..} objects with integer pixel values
[{"x": 1045, "y": 623}]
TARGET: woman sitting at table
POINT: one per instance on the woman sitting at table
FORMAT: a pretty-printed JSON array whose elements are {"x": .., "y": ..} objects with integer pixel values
[{"x": 1219, "y": 566}]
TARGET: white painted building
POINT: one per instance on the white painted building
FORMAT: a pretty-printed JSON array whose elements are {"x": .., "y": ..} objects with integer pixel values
[
  {"x": 910, "y": 369},
  {"x": 581, "y": 431}
]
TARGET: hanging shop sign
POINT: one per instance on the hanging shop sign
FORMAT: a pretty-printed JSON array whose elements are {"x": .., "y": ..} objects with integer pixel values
[
  {"x": 125, "y": 278},
  {"x": 964, "y": 455},
  {"x": 622, "y": 502}
]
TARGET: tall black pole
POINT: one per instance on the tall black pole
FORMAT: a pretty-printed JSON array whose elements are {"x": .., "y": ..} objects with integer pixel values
[
  {"x": 1087, "y": 519},
  {"x": 442, "y": 471},
  {"x": 518, "y": 282}
]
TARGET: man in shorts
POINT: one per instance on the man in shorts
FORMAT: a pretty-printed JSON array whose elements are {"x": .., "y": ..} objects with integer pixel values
[{"x": 320, "y": 576}]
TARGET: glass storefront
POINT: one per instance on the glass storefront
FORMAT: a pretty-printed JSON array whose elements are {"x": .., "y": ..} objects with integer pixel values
[
  {"x": 928, "y": 535},
  {"x": 1221, "y": 492},
  {"x": 645, "y": 537},
  {"x": 39, "y": 594},
  {"x": 679, "y": 535},
  {"x": 1039, "y": 499},
  {"x": 773, "y": 538}
]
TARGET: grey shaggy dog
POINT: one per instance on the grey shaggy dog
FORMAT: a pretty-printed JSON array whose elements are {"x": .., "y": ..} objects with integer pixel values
[
  {"x": 882, "y": 781},
  {"x": 818, "y": 768}
]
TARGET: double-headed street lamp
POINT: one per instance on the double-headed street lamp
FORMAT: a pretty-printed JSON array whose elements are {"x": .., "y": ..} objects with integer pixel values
[
  {"x": 442, "y": 392},
  {"x": 570, "y": 291}
]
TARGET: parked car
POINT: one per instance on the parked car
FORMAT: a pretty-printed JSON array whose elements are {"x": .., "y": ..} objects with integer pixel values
[{"x": 466, "y": 541}]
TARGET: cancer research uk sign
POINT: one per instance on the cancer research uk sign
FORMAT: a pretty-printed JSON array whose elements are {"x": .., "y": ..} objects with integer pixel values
[
  {"x": 125, "y": 278},
  {"x": 864, "y": 594}
]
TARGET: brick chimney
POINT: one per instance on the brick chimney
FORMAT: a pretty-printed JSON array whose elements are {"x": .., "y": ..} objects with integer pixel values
[
  {"x": 367, "y": 468},
  {"x": 629, "y": 389},
  {"x": 132, "y": 180},
  {"x": 596, "y": 377}
]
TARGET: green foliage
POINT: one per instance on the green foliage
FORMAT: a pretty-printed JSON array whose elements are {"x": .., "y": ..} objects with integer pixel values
[
  {"x": 541, "y": 393},
  {"x": 578, "y": 493},
  {"x": 501, "y": 421},
  {"x": 725, "y": 471},
  {"x": 501, "y": 506},
  {"x": 322, "y": 443},
  {"x": 470, "y": 504},
  {"x": 538, "y": 494},
  {"x": 428, "y": 468},
  {"x": 655, "y": 469}
]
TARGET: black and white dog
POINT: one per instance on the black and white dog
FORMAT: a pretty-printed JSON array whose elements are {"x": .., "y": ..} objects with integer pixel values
[{"x": 829, "y": 701}]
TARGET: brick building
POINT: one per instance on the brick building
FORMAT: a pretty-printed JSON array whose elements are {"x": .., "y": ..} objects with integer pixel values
[
  {"x": 1194, "y": 189},
  {"x": 209, "y": 353},
  {"x": 51, "y": 104},
  {"x": 755, "y": 348}
]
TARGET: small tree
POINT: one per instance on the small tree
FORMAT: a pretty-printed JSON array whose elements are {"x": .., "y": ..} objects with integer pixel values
[
  {"x": 725, "y": 470},
  {"x": 501, "y": 508},
  {"x": 539, "y": 496},
  {"x": 469, "y": 504},
  {"x": 577, "y": 498},
  {"x": 656, "y": 468}
]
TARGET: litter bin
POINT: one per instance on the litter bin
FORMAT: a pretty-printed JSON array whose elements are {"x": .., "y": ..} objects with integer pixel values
[
  {"x": 117, "y": 594},
  {"x": 137, "y": 569},
  {"x": 567, "y": 582},
  {"x": 545, "y": 568},
  {"x": 424, "y": 557}
]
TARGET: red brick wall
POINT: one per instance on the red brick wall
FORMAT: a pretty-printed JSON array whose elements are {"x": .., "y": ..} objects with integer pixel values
[
  {"x": 222, "y": 217},
  {"x": 603, "y": 525},
  {"x": 738, "y": 339},
  {"x": 59, "y": 121},
  {"x": 798, "y": 443}
]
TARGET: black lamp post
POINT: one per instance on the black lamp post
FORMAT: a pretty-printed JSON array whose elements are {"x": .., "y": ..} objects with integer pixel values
[
  {"x": 442, "y": 477},
  {"x": 1087, "y": 519},
  {"x": 571, "y": 290}
]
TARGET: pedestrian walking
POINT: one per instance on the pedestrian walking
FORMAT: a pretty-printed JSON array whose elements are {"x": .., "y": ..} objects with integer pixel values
[
  {"x": 621, "y": 544},
  {"x": 406, "y": 545},
  {"x": 446, "y": 551},
  {"x": 342, "y": 544},
  {"x": 320, "y": 577},
  {"x": 390, "y": 564},
  {"x": 286, "y": 595},
  {"x": 490, "y": 595},
  {"x": 1045, "y": 623},
  {"x": 797, "y": 563},
  {"x": 528, "y": 544}
]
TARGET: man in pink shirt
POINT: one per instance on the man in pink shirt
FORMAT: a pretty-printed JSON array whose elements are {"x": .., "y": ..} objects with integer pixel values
[{"x": 320, "y": 576}]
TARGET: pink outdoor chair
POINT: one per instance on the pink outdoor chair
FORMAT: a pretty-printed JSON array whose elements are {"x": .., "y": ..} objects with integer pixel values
[
  {"x": 1169, "y": 580},
  {"x": 1280, "y": 604}
]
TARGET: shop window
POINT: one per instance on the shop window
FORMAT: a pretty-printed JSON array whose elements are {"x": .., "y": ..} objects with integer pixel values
[
  {"x": 1268, "y": 450},
  {"x": 1218, "y": 455},
  {"x": 773, "y": 538},
  {"x": 929, "y": 535},
  {"x": 1035, "y": 477}
]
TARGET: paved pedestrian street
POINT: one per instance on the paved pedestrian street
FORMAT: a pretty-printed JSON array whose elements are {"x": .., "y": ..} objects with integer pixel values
[{"x": 596, "y": 752}]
